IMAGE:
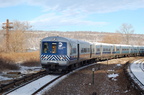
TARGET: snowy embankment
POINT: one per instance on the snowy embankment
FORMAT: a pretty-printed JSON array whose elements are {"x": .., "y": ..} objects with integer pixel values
[
  {"x": 23, "y": 70},
  {"x": 30, "y": 88},
  {"x": 136, "y": 73}
]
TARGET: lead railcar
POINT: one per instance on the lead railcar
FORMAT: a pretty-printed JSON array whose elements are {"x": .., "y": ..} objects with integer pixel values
[{"x": 59, "y": 53}]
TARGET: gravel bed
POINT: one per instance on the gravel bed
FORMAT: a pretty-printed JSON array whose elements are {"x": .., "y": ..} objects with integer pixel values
[{"x": 80, "y": 82}]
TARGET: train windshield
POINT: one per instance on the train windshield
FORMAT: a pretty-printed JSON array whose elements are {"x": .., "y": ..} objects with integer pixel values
[
  {"x": 54, "y": 48},
  {"x": 45, "y": 48},
  {"x": 49, "y": 47}
]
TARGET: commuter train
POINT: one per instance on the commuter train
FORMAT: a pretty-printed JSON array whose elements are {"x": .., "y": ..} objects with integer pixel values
[{"x": 64, "y": 54}]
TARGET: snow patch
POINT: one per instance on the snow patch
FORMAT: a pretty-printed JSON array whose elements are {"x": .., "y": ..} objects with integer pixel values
[
  {"x": 111, "y": 70},
  {"x": 118, "y": 64},
  {"x": 126, "y": 91},
  {"x": 28, "y": 70},
  {"x": 23, "y": 69},
  {"x": 113, "y": 76},
  {"x": 5, "y": 78}
]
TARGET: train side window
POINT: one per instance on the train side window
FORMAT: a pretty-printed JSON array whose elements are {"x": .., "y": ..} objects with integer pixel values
[
  {"x": 54, "y": 47},
  {"x": 98, "y": 49},
  {"x": 93, "y": 50},
  {"x": 73, "y": 50},
  {"x": 45, "y": 47}
]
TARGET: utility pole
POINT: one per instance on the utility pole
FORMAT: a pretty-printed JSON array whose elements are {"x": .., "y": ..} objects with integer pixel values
[{"x": 7, "y": 26}]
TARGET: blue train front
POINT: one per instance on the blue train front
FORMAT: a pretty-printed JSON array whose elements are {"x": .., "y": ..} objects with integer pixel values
[{"x": 55, "y": 53}]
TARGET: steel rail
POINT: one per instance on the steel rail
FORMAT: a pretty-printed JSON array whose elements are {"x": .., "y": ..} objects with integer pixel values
[
  {"x": 133, "y": 79},
  {"x": 141, "y": 66},
  {"x": 41, "y": 88},
  {"x": 17, "y": 83}
]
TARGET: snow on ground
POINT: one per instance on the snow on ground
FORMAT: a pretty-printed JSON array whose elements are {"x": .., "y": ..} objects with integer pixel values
[
  {"x": 35, "y": 85},
  {"x": 23, "y": 69},
  {"x": 57, "y": 81},
  {"x": 4, "y": 78},
  {"x": 28, "y": 70},
  {"x": 119, "y": 65},
  {"x": 142, "y": 66},
  {"x": 137, "y": 71},
  {"x": 80, "y": 83},
  {"x": 113, "y": 76},
  {"x": 30, "y": 88},
  {"x": 52, "y": 85}
]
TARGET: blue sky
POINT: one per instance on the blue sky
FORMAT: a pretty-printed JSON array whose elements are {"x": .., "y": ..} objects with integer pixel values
[{"x": 75, "y": 15}]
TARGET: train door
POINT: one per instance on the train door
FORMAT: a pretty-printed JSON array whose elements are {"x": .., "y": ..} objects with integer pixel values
[
  {"x": 101, "y": 50},
  {"x": 90, "y": 51},
  {"x": 111, "y": 50},
  {"x": 129, "y": 50},
  {"x": 77, "y": 51},
  {"x": 121, "y": 49}
]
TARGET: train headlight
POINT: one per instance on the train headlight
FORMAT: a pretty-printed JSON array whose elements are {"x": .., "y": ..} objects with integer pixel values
[{"x": 61, "y": 58}]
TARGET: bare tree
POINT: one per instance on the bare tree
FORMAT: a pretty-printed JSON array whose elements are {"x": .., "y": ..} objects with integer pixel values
[
  {"x": 21, "y": 26},
  {"x": 17, "y": 37},
  {"x": 140, "y": 40},
  {"x": 126, "y": 30},
  {"x": 112, "y": 38}
]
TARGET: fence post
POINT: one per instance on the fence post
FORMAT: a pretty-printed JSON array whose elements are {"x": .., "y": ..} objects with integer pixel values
[{"x": 93, "y": 69}]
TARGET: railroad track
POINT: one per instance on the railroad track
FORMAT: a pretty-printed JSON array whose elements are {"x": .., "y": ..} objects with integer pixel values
[
  {"x": 37, "y": 85},
  {"x": 17, "y": 83},
  {"x": 131, "y": 71},
  {"x": 37, "y": 82},
  {"x": 51, "y": 81}
]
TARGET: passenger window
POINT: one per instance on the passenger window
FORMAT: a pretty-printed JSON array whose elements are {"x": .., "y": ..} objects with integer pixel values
[
  {"x": 54, "y": 47},
  {"x": 45, "y": 47}
]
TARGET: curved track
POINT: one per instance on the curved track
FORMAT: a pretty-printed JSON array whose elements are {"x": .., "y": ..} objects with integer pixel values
[
  {"x": 38, "y": 85},
  {"x": 135, "y": 73},
  {"x": 17, "y": 83},
  {"x": 34, "y": 86},
  {"x": 47, "y": 81}
]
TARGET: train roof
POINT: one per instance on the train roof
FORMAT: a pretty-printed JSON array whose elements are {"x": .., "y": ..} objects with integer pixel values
[
  {"x": 106, "y": 44},
  {"x": 97, "y": 43},
  {"x": 64, "y": 39}
]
